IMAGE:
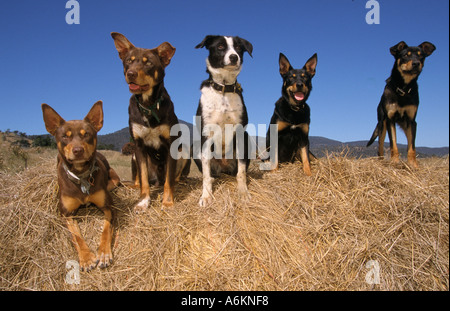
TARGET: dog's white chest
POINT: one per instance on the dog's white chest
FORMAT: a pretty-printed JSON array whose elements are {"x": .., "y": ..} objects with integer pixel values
[
  {"x": 151, "y": 136},
  {"x": 221, "y": 109}
]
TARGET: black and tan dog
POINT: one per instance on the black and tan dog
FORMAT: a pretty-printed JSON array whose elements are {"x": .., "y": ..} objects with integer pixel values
[
  {"x": 151, "y": 117},
  {"x": 292, "y": 113},
  {"x": 84, "y": 176},
  {"x": 400, "y": 100}
]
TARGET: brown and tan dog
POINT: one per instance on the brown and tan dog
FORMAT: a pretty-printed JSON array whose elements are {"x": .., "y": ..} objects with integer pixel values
[
  {"x": 151, "y": 117},
  {"x": 84, "y": 176}
]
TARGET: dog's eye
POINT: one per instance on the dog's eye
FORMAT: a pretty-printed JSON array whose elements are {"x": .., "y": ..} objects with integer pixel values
[
  {"x": 409, "y": 53},
  {"x": 67, "y": 135},
  {"x": 84, "y": 134},
  {"x": 303, "y": 75},
  {"x": 221, "y": 47},
  {"x": 129, "y": 61},
  {"x": 418, "y": 53}
]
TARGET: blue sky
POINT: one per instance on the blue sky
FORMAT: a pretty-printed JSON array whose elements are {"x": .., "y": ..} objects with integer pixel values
[{"x": 45, "y": 60}]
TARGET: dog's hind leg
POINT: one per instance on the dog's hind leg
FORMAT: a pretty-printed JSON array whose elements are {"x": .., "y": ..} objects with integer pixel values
[
  {"x": 382, "y": 136},
  {"x": 183, "y": 163},
  {"x": 395, "y": 155},
  {"x": 113, "y": 180}
]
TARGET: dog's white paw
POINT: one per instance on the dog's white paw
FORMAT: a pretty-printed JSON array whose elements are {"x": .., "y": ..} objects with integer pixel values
[
  {"x": 243, "y": 194},
  {"x": 205, "y": 201},
  {"x": 142, "y": 206}
]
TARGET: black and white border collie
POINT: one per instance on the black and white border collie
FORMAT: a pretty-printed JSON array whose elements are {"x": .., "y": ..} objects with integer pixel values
[{"x": 221, "y": 107}]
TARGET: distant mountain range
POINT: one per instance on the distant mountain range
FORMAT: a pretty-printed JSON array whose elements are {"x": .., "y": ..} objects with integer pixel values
[{"x": 319, "y": 146}]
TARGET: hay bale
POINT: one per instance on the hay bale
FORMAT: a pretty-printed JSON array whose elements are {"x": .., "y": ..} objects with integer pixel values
[{"x": 297, "y": 232}]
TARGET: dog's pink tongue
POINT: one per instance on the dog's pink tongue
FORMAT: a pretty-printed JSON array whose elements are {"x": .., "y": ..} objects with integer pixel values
[
  {"x": 134, "y": 87},
  {"x": 299, "y": 96}
]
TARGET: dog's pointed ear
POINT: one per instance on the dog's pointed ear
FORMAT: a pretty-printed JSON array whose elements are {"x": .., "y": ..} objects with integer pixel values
[
  {"x": 311, "y": 65},
  {"x": 427, "y": 48},
  {"x": 284, "y": 63},
  {"x": 246, "y": 45},
  {"x": 95, "y": 116},
  {"x": 396, "y": 49},
  {"x": 122, "y": 44},
  {"x": 165, "y": 52},
  {"x": 52, "y": 119},
  {"x": 206, "y": 42}
]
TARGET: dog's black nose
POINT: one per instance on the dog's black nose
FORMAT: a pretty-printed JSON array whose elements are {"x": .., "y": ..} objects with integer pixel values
[
  {"x": 234, "y": 58},
  {"x": 131, "y": 74},
  {"x": 416, "y": 64},
  {"x": 78, "y": 151}
]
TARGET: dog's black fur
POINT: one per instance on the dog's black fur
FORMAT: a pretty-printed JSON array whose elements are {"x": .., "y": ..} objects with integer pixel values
[
  {"x": 400, "y": 100},
  {"x": 292, "y": 113}
]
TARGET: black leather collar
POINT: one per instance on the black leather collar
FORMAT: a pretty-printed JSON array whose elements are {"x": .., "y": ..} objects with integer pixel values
[
  {"x": 230, "y": 88},
  {"x": 402, "y": 91}
]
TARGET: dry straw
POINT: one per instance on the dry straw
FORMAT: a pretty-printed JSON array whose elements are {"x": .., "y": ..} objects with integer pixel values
[{"x": 296, "y": 233}]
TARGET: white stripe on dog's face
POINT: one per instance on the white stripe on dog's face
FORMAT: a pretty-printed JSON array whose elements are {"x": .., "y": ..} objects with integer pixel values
[{"x": 231, "y": 51}]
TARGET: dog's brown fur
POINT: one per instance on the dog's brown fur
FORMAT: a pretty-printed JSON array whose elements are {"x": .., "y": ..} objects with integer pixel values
[
  {"x": 151, "y": 116},
  {"x": 77, "y": 142}
]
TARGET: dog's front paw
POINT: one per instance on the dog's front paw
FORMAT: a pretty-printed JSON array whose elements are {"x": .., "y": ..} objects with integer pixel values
[
  {"x": 205, "y": 200},
  {"x": 167, "y": 201},
  {"x": 88, "y": 261},
  {"x": 243, "y": 194},
  {"x": 167, "y": 204},
  {"x": 142, "y": 206},
  {"x": 104, "y": 257},
  {"x": 412, "y": 159}
]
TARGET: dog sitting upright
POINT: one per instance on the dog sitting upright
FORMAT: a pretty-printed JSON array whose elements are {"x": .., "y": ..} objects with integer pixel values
[
  {"x": 222, "y": 104},
  {"x": 151, "y": 116},
  {"x": 292, "y": 113},
  {"x": 84, "y": 176},
  {"x": 400, "y": 99}
]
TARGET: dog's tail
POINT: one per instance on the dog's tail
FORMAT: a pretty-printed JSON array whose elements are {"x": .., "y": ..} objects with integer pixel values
[{"x": 374, "y": 136}]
